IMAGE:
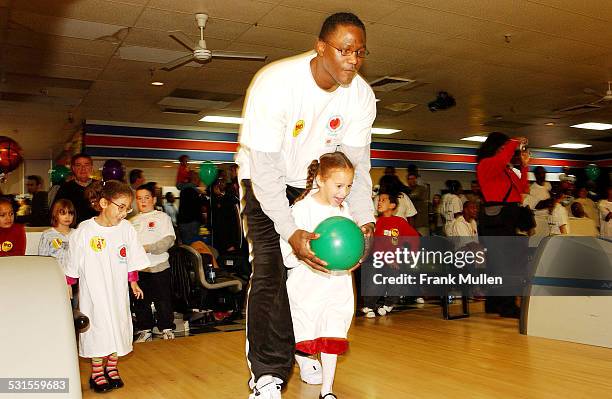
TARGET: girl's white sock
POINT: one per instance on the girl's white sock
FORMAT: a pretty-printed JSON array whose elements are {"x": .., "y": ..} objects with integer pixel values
[{"x": 328, "y": 362}]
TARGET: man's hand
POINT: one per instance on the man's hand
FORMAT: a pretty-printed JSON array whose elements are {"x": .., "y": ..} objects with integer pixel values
[
  {"x": 368, "y": 236},
  {"x": 300, "y": 243}
]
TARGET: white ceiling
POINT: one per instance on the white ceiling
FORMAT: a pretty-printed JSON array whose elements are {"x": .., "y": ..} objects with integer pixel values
[{"x": 555, "y": 50}]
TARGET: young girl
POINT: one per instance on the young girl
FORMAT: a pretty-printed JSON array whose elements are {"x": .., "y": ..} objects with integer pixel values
[
  {"x": 103, "y": 251},
  {"x": 54, "y": 241},
  {"x": 155, "y": 232},
  {"x": 322, "y": 305},
  {"x": 12, "y": 235}
]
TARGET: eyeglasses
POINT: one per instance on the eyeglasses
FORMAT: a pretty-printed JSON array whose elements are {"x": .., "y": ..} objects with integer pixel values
[
  {"x": 361, "y": 53},
  {"x": 122, "y": 208}
]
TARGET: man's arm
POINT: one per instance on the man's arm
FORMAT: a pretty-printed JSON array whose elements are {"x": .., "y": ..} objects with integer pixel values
[
  {"x": 268, "y": 173},
  {"x": 360, "y": 198}
]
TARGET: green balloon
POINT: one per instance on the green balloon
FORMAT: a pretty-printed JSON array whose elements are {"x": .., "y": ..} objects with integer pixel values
[
  {"x": 340, "y": 244},
  {"x": 59, "y": 174},
  {"x": 208, "y": 172},
  {"x": 592, "y": 172}
]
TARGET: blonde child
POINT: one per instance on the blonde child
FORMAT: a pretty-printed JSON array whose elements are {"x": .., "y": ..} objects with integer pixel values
[
  {"x": 54, "y": 241},
  {"x": 322, "y": 305},
  {"x": 104, "y": 255}
]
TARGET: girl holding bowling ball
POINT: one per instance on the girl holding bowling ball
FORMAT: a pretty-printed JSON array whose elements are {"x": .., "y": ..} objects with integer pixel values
[{"x": 322, "y": 304}]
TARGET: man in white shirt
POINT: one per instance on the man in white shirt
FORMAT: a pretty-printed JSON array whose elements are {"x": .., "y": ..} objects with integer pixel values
[
  {"x": 464, "y": 229},
  {"x": 296, "y": 110},
  {"x": 605, "y": 214}
]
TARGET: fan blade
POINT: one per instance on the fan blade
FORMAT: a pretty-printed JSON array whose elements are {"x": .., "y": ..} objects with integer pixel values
[
  {"x": 177, "y": 63},
  {"x": 234, "y": 54},
  {"x": 181, "y": 38}
]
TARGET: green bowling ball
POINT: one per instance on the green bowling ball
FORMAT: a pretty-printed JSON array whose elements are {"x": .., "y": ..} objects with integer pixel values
[{"x": 340, "y": 244}]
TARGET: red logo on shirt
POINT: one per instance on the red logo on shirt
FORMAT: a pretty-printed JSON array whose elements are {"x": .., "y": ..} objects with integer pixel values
[
  {"x": 151, "y": 224},
  {"x": 335, "y": 123},
  {"x": 123, "y": 251}
]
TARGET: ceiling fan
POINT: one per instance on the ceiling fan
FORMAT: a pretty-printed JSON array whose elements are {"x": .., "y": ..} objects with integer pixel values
[
  {"x": 199, "y": 52},
  {"x": 603, "y": 102},
  {"x": 602, "y": 98}
]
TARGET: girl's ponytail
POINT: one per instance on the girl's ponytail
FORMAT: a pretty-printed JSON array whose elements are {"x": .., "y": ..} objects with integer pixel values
[{"x": 313, "y": 169}]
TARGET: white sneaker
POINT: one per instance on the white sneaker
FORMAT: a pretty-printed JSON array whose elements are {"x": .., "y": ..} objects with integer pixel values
[
  {"x": 388, "y": 309},
  {"x": 267, "y": 387},
  {"x": 311, "y": 371},
  {"x": 168, "y": 334},
  {"x": 420, "y": 301},
  {"x": 144, "y": 336},
  {"x": 381, "y": 311},
  {"x": 368, "y": 312}
]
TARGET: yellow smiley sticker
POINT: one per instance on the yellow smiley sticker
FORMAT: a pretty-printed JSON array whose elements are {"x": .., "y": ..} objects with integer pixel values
[
  {"x": 7, "y": 246},
  {"x": 57, "y": 243},
  {"x": 299, "y": 126},
  {"x": 394, "y": 232},
  {"x": 97, "y": 244}
]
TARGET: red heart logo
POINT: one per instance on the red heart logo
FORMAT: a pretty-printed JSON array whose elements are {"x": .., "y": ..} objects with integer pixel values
[
  {"x": 123, "y": 252},
  {"x": 334, "y": 123},
  {"x": 151, "y": 225}
]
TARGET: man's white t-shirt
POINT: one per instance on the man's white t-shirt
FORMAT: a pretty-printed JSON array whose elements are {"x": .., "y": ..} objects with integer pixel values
[
  {"x": 450, "y": 205},
  {"x": 287, "y": 112},
  {"x": 538, "y": 193}
]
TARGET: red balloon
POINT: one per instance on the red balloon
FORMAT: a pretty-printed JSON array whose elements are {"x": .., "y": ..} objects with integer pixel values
[{"x": 10, "y": 154}]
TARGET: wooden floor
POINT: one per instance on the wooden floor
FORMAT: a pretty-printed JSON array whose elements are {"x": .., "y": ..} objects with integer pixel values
[{"x": 413, "y": 354}]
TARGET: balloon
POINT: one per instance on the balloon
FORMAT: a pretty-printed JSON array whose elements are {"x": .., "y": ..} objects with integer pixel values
[
  {"x": 112, "y": 170},
  {"x": 10, "y": 154},
  {"x": 592, "y": 171},
  {"x": 208, "y": 172},
  {"x": 340, "y": 244},
  {"x": 59, "y": 173}
]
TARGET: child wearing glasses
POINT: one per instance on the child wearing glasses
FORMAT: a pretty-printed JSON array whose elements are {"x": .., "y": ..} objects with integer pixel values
[{"x": 105, "y": 255}]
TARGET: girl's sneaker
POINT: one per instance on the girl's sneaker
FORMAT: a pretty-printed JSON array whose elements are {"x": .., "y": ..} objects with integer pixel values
[
  {"x": 381, "y": 311},
  {"x": 388, "y": 309}
]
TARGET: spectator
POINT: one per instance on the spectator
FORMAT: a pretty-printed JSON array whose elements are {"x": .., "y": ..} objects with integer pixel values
[
  {"x": 557, "y": 216},
  {"x": 136, "y": 179},
  {"x": 605, "y": 215},
  {"x": 390, "y": 171},
  {"x": 391, "y": 233},
  {"x": 225, "y": 218},
  {"x": 74, "y": 190},
  {"x": 475, "y": 195},
  {"x": 391, "y": 184},
  {"x": 436, "y": 221},
  {"x": 464, "y": 228},
  {"x": 419, "y": 195},
  {"x": 233, "y": 185},
  {"x": 182, "y": 174},
  {"x": 189, "y": 216},
  {"x": 156, "y": 234},
  {"x": 588, "y": 205},
  {"x": 39, "y": 210},
  {"x": 580, "y": 225},
  {"x": 451, "y": 205},
  {"x": 502, "y": 190},
  {"x": 12, "y": 235},
  {"x": 170, "y": 209}
]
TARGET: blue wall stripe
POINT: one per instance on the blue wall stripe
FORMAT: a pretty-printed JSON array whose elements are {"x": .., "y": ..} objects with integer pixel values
[
  {"x": 159, "y": 154},
  {"x": 165, "y": 133}
]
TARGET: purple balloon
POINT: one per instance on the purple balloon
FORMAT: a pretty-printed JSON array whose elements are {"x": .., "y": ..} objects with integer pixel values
[{"x": 112, "y": 170}]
